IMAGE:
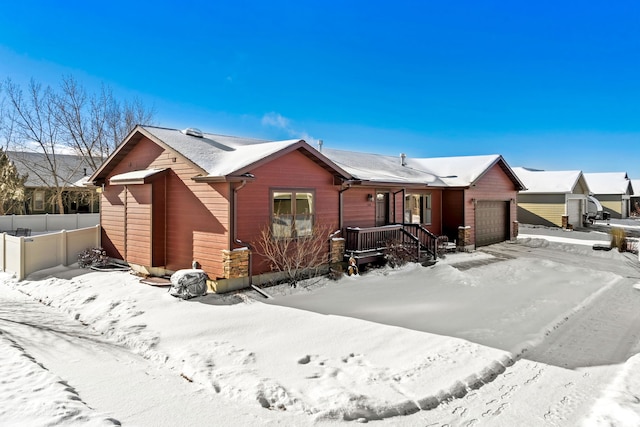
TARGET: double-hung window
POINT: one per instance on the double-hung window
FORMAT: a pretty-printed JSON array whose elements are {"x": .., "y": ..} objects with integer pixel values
[
  {"x": 293, "y": 213},
  {"x": 417, "y": 209},
  {"x": 38, "y": 201}
]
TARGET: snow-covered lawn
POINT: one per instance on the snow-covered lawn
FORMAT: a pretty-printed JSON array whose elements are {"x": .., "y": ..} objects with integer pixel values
[{"x": 390, "y": 345}]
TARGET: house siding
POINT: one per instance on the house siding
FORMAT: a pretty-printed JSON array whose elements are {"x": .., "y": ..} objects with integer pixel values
[
  {"x": 357, "y": 210},
  {"x": 112, "y": 220},
  {"x": 494, "y": 185},
  {"x": 138, "y": 220},
  {"x": 159, "y": 221},
  {"x": 291, "y": 171},
  {"x": 196, "y": 215},
  {"x": 541, "y": 209},
  {"x": 612, "y": 203}
]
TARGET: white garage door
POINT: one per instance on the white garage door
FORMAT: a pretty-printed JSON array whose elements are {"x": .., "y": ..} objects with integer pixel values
[
  {"x": 492, "y": 222},
  {"x": 574, "y": 211}
]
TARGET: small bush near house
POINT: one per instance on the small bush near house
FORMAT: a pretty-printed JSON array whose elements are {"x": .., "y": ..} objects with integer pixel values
[
  {"x": 93, "y": 257},
  {"x": 296, "y": 258},
  {"x": 618, "y": 239},
  {"x": 397, "y": 255}
]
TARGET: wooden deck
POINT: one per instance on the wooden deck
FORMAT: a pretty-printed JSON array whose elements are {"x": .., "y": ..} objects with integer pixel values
[{"x": 370, "y": 244}]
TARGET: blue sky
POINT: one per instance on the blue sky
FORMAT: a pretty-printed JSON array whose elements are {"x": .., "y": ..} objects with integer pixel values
[{"x": 548, "y": 84}]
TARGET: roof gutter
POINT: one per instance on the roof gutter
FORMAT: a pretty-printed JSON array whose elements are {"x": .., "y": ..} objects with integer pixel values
[{"x": 227, "y": 178}]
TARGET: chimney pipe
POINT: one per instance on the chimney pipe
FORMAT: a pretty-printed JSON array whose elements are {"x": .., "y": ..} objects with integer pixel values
[
  {"x": 403, "y": 158},
  {"x": 320, "y": 145}
]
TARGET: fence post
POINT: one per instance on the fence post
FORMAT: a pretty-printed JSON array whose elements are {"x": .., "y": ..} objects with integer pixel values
[
  {"x": 98, "y": 237},
  {"x": 63, "y": 247},
  {"x": 46, "y": 222},
  {"x": 3, "y": 248},
  {"x": 23, "y": 261}
]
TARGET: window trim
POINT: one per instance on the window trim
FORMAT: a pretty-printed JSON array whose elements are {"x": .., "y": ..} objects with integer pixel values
[
  {"x": 425, "y": 207},
  {"x": 35, "y": 200},
  {"x": 294, "y": 191}
]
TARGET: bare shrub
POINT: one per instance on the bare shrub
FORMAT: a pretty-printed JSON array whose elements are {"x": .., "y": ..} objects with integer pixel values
[
  {"x": 297, "y": 258},
  {"x": 93, "y": 257},
  {"x": 396, "y": 254}
]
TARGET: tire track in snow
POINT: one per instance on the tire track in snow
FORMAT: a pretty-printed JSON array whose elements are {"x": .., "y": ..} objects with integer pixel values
[{"x": 582, "y": 350}]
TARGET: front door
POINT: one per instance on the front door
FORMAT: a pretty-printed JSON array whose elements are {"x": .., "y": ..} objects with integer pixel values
[{"x": 382, "y": 209}]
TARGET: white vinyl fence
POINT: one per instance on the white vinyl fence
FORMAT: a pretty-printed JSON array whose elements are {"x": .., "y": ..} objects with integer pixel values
[
  {"x": 48, "y": 222},
  {"x": 24, "y": 255}
]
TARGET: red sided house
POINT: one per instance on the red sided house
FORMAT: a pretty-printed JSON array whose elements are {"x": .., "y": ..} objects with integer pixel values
[
  {"x": 470, "y": 199},
  {"x": 172, "y": 197}
]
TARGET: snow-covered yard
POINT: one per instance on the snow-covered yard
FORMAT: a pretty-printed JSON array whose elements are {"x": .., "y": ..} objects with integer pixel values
[{"x": 487, "y": 338}]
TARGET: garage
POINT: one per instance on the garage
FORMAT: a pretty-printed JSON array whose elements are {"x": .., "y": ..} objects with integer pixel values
[
  {"x": 492, "y": 222},
  {"x": 574, "y": 212}
]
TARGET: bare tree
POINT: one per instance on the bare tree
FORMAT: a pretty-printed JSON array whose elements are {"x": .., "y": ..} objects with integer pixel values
[
  {"x": 54, "y": 123},
  {"x": 297, "y": 258},
  {"x": 94, "y": 125},
  {"x": 36, "y": 130},
  {"x": 122, "y": 118},
  {"x": 6, "y": 125}
]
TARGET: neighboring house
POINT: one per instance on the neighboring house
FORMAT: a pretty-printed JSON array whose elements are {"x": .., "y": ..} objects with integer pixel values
[
  {"x": 613, "y": 190},
  {"x": 171, "y": 198},
  {"x": 552, "y": 198},
  {"x": 635, "y": 198},
  {"x": 40, "y": 187}
]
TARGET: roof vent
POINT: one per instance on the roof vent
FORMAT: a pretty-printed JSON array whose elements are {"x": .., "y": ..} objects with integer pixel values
[
  {"x": 320, "y": 142},
  {"x": 403, "y": 159},
  {"x": 193, "y": 132}
]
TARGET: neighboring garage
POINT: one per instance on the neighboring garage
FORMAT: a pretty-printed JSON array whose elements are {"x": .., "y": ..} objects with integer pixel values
[
  {"x": 613, "y": 190},
  {"x": 552, "y": 198},
  {"x": 492, "y": 222},
  {"x": 575, "y": 211}
]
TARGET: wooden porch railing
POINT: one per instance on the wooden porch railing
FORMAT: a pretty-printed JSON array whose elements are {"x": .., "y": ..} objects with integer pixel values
[
  {"x": 370, "y": 243},
  {"x": 428, "y": 240}
]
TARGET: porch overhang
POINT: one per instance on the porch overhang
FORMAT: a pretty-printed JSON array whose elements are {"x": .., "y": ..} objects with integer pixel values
[{"x": 135, "y": 177}]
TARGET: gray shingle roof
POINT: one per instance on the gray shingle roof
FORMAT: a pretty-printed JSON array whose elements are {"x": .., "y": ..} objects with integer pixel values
[
  {"x": 218, "y": 155},
  {"x": 70, "y": 169}
]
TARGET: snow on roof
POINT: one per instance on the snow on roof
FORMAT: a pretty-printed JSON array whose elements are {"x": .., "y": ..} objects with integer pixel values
[
  {"x": 635, "y": 183},
  {"x": 437, "y": 172},
  {"x": 458, "y": 171},
  {"x": 218, "y": 155},
  {"x": 381, "y": 168},
  {"x": 221, "y": 155},
  {"x": 134, "y": 175},
  {"x": 538, "y": 181},
  {"x": 608, "y": 182}
]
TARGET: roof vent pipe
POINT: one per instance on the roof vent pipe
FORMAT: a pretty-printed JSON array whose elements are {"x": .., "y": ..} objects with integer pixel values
[
  {"x": 403, "y": 158},
  {"x": 320, "y": 145}
]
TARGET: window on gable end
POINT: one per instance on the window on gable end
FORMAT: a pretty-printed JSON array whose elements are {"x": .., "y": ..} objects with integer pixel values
[{"x": 293, "y": 213}]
